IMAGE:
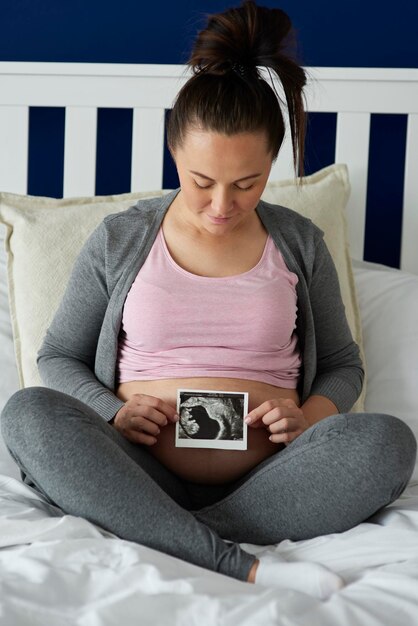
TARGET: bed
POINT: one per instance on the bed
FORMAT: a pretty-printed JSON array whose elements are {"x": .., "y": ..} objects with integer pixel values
[{"x": 58, "y": 569}]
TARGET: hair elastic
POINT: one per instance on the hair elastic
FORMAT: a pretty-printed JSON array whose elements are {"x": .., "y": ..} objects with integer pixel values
[{"x": 241, "y": 70}]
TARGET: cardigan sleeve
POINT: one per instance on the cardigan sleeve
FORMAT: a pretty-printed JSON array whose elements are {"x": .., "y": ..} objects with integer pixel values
[
  {"x": 66, "y": 359},
  {"x": 339, "y": 374}
]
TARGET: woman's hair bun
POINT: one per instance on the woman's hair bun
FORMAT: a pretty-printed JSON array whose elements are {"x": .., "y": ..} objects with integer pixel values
[
  {"x": 244, "y": 37},
  {"x": 227, "y": 93}
]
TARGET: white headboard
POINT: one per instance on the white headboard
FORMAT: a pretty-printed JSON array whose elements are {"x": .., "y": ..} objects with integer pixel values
[{"x": 353, "y": 93}]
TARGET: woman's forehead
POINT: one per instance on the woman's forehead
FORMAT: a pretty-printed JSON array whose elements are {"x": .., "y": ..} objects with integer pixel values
[{"x": 199, "y": 139}]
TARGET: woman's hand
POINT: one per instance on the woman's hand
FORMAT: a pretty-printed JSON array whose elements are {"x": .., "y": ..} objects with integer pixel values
[
  {"x": 282, "y": 418},
  {"x": 141, "y": 418}
]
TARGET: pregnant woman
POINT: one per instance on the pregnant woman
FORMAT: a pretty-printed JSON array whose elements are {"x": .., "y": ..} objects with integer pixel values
[{"x": 211, "y": 288}]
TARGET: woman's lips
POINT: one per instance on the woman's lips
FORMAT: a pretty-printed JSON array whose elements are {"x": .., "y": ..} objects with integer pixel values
[{"x": 219, "y": 220}]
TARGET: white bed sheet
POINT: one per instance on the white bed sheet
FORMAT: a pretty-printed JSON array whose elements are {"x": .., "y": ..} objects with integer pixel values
[{"x": 57, "y": 569}]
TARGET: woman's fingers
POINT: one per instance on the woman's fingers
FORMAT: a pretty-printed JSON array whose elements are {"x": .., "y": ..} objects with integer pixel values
[
  {"x": 284, "y": 420},
  {"x": 270, "y": 412},
  {"x": 140, "y": 415},
  {"x": 146, "y": 425},
  {"x": 141, "y": 418},
  {"x": 153, "y": 408},
  {"x": 142, "y": 430},
  {"x": 281, "y": 417}
]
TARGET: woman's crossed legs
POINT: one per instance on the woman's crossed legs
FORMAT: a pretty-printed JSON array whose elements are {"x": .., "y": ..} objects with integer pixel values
[{"x": 332, "y": 477}]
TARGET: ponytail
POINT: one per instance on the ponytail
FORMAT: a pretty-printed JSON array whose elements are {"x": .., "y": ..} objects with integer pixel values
[{"x": 227, "y": 93}]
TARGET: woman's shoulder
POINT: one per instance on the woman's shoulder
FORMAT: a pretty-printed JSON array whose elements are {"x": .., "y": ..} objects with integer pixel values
[
  {"x": 121, "y": 233},
  {"x": 288, "y": 226},
  {"x": 298, "y": 238},
  {"x": 143, "y": 213},
  {"x": 288, "y": 220}
]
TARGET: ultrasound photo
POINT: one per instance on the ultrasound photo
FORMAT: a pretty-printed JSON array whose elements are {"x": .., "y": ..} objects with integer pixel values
[{"x": 211, "y": 419}]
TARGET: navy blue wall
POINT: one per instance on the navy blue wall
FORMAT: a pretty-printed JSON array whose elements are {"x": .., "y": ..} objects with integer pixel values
[
  {"x": 356, "y": 33},
  {"x": 350, "y": 34}
]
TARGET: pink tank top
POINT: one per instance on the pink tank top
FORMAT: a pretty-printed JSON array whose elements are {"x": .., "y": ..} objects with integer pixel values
[{"x": 179, "y": 325}]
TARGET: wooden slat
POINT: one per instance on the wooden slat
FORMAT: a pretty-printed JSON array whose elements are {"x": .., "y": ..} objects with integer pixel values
[
  {"x": 409, "y": 254},
  {"x": 352, "y": 148},
  {"x": 362, "y": 90},
  {"x": 147, "y": 149},
  {"x": 14, "y": 139},
  {"x": 80, "y": 151},
  {"x": 35, "y": 68},
  {"x": 91, "y": 91},
  {"x": 377, "y": 90}
]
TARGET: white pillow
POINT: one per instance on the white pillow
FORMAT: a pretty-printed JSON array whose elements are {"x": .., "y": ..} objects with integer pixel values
[
  {"x": 388, "y": 301},
  {"x": 9, "y": 381},
  {"x": 46, "y": 234}
]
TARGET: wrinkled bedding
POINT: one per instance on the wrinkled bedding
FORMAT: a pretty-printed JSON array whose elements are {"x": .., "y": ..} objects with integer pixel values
[{"x": 59, "y": 569}]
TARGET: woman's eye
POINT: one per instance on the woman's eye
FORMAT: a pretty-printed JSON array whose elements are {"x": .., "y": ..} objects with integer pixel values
[
  {"x": 245, "y": 188},
  {"x": 201, "y": 186},
  {"x": 210, "y": 185}
]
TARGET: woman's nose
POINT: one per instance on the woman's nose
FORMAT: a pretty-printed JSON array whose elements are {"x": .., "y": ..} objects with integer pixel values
[{"x": 222, "y": 201}]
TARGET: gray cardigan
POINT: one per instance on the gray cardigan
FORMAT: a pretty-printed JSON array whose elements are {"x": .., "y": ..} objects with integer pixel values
[{"x": 79, "y": 351}]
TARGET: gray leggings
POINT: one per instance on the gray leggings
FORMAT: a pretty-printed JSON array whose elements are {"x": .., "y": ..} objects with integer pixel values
[{"x": 335, "y": 475}]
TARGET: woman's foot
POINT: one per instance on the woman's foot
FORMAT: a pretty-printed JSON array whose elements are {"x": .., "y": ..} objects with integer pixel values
[{"x": 311, "y": 578}]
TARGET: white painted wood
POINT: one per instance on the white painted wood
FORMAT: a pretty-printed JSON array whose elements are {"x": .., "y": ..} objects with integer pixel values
[
  {"x": 367, "y": 74},
  {"x": 118, "y": 85},
  {"x": 147, "y": 149},
  {"x": 364, "y": 90},
  {"x": 352, "y": 148},
  {"x": 357, "y": 96},
  {"x": 91, "y": 69},
  {"x": 61, "y": 91},
  {"x": 14, "y": 140},
  {"x": 409, "y": 253},
  {"x": 80, "y": 151}
]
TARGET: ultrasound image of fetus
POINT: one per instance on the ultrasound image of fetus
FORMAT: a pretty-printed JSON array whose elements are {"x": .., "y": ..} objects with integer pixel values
[{"x": 211, "y": 418}]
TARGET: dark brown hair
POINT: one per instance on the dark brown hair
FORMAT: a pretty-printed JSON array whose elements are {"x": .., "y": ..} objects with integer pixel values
[{"x": 227, "y": 94}]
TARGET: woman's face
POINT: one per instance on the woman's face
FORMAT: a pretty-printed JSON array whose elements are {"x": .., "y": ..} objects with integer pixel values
[{"x": 221, "y": 178}]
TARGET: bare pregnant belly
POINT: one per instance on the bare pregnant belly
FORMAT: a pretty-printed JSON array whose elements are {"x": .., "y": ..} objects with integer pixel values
[{"x": 209, "y": 466}]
